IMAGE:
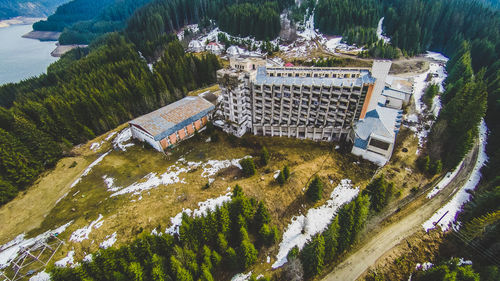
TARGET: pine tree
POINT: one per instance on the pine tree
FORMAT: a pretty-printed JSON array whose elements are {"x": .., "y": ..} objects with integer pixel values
[
  {"x": 315, "y": 190},
  {"x": 248, "y": 167},
  {"x": 286, "y": 172},
  {"x": 280, "y": 179},
  {"x": 331, "y": 235},
  {"x": 264, "y": 156},
  {"x": 312, "y": 256}
]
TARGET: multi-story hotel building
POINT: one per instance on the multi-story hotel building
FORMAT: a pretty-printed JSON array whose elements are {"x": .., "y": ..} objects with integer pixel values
[{"x": 317, "y": 103}]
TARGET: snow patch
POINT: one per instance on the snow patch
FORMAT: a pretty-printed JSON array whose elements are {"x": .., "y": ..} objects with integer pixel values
[
  {"x": 379, "y": 32},
  {"x": 242, "y": 276},
  {"x": 425, "y": 266},
  {"x": 89, "y": 168},
  {"x": 448, "y": 213},
  {"x": 11, "y": 250},
  {"x": 316, "y": 220},
  {"x": 445, "y": 181},
  {"x": 203, "y": 208},
  {"x": 88, "y": 258},
  {"x": 120, "y": 142},
  {"x": 109, "y": 241},
  {"x": 40, "y": 276},
  {"x": 68, "y": 260},
  {"x": 83, "y": 233}
]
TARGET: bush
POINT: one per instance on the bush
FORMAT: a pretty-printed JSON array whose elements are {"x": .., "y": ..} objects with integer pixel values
[
  {"x": 315, "y": 190},
  {"x": 248, "y": 167}
]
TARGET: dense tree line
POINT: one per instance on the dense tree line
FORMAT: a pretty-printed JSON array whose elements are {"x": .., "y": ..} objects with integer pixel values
[
  {"x": 248, "y": 19},
  {"x": 357, "y": 19},
  {"x": 27, "y": 8},
  {"x": 340, "y": 234},
  {"x": 382, "y": 50},
  {"x": 207, "y": 248},
  {"x": 87, "y": 97},
  {"x": 72, "y": 12},
  {"x": 454, "y": 132},
  {"x": 149, "y": 24}
]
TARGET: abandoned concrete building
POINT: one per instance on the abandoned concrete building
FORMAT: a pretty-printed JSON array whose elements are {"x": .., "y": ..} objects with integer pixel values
[
  {"x": 170, "y": 124},
  {"x": 317, "y": 103}
]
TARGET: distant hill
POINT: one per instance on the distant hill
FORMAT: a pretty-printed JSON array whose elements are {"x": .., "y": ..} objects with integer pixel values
[{"x": 28, "y": 8}]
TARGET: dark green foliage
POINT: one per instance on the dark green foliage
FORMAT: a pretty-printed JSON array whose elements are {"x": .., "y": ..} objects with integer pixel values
[
  {"x": 436, "y": 167},
  {"x": 248, "y": 19},
  {"x": 380, "y": 192},
  {"x": 382, "y": 50},
  {"x": 286, "y": 172},
  {"x": 280, "y": 179},
  {"x": 431, "y": 91},
  {"x": 315, "y": 190},
  {"x": 248, "y": 167},
  {"x": 454, "y": 132},
  {"x": 312, "y": 256},
  {"x": 199, "y": 252},
  {"x": 331, "y": 235},
  {"x": 88, "y": 96},
  {"x": 264, "y": 156},
  {"x": 448, "y": 271},
  {"x": 293, "y": 253},
  {"x": 346, "y": 18}
]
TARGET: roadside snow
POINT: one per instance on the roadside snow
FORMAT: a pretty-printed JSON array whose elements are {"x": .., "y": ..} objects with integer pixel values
[
  {"x": 379, "y": 32},
  {"x": 425, "y": 266},
  {"x": 120, "y": 141},
  {"x": 83, "y": 233},
  {"x": 68, "y": 260},
  {"x": 40, "y": 276},
  {"x": 110, "y": 240},
  {"x": 203, "y": 208},
  {"x": 89, "y": 168},
  {"x": 452, "y": 208},
  {"x": 316, "y": 220},
  {"x": 10, "y": 250},
  {"x": 445, "y": 181}
]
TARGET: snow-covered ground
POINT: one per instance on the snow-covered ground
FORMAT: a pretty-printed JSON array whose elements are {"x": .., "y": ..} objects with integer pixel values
[
  {"x": 83, "y": 233},
  {"x": 449, "y": 211},
  {"x": 11, "y": 250},
  {"x": 172, "y": 175},
  {"x": 89, "y": 168},
  {"x": 445, "y": 181},
  {"x": 242, "y": 276},
  {"x": 121, "y": 141},
  {"x": 437, "y": 70},
  {"x": 40, "y": 276},
  {"x": 316, "y": 220},
  {"x": 109, "y": 241},
  {"x": 203, "y": 208},
  {"x": 424, "y": 266},
  {"x": 68, "y": 260},
  {"x": 379, "y": 32}
]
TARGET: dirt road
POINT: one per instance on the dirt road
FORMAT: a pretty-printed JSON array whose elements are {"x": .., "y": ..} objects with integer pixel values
[{"x": 390, "y": 236}]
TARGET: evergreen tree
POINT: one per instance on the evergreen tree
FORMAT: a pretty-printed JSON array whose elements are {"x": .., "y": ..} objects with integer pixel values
[
  {"x": 248, "y": 167},
  {"x": 312, "y": 256},
  {"x": 264, "y": 156},
  {"x": 280, "y": 179},
  {"x": 315, "y": 190},
  {"x": 286, "y": 172}
]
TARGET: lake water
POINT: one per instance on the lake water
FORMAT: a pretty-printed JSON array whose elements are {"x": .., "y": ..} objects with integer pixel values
[{"x": 21, "y": 58}]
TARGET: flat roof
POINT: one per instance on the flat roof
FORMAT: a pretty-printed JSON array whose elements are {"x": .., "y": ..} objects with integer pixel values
[
  {"x": 263, "y": 78},
  {"x": 173, "y": 117}
]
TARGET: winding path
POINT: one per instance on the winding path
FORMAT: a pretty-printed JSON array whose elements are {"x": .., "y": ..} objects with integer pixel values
[{"x": 390, "y": 236}]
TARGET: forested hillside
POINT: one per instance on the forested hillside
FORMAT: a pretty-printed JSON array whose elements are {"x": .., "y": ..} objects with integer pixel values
[
  {"x": 79, "y": 99},
  {"x": 207, "y": 248},
  {"x": 83, "y": 21},
  {"x": 27, "y": 8}
]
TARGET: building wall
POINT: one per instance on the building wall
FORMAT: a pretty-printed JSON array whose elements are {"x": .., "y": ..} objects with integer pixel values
[
  {"x": 143, "y": 136},
  {"x": 172, "y": 139}
]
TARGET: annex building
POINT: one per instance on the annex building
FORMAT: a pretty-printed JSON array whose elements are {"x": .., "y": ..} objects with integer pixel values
[
  {"x": 317, "y": 103},
  {"x": 173, "y": 123}
]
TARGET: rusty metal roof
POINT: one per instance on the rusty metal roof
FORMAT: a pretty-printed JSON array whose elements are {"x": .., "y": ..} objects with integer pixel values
[{"x": 175, "y": 116}]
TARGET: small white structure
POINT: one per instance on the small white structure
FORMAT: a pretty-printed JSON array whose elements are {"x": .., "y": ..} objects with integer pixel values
[
  {"x": 214, "y": 48},
  {"x": 234, "y": 51},
  {"x": 195, "y": 46}
]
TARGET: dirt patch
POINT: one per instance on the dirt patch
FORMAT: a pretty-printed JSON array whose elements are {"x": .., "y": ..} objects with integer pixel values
[
  {"x": 409, "y": 66},
  {"x": 400, "y": 262}
]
